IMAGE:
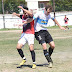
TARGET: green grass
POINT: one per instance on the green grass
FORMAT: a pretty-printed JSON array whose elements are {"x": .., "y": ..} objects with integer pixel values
[
  {"x": 6, "y": 29},
  {"x": 52, "y": 27},
  {"x": 62, "y": 56}
]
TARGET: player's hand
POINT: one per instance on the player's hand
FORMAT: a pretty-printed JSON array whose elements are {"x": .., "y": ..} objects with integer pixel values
[
  {"x": 20, "y": 24},
  {"x": 62, "y": 28},
  {"x": 20, "y": 7},
  {"x": 14, "y": 13}
]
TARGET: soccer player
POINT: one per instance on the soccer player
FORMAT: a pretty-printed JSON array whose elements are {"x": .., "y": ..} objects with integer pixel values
[
  {"x": 66, "y": 22},
  {"x": 41, "y": 33},
  {"x": 27, "y": 36}
]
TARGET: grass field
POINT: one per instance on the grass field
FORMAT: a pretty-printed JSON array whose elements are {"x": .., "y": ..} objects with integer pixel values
[{"x": 62, "y": 56}]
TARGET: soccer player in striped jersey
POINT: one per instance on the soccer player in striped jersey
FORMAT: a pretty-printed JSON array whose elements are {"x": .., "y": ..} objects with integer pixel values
[{"x": 41, "y": 32}]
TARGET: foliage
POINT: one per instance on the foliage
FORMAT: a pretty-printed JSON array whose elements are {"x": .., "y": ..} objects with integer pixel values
[
  {"x": 63, "y": 5},
  {"x": 0, "y": 6},
  {"x": 11, "y": 5}
]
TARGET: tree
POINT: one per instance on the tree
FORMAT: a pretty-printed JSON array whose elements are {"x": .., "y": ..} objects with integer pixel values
[
  {"x": 63, "y": 5},
  {"x": 11, "y": 5},
  {"x": 0, "y": 6}
]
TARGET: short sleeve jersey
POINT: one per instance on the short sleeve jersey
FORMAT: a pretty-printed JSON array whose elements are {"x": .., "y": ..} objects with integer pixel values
[
  {"x": 41, "y": 21},
  {"x": 66, "y": 20},
  {"x": 29, "y": 27}
]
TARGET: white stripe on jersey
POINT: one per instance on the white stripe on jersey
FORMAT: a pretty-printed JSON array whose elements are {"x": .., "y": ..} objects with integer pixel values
[{"x": 41, "y": 21}]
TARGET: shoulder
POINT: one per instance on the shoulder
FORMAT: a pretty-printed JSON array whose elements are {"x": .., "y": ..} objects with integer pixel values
[{"x": 50, "y": 16}]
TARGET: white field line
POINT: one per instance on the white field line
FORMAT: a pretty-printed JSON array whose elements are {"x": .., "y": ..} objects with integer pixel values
[
  {"x": 53, "y": 38},
  {"x": 62, "y": 37}
]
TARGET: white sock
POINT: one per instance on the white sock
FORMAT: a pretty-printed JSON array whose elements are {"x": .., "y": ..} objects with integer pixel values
[{"x": 24, "y": 58}]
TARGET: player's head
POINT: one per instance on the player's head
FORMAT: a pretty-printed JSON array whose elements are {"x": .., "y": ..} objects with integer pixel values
[
  {"x": 65, "y": 15},
  {"x": 25, "y": 14},
  {"x": 48, "y": 9}
]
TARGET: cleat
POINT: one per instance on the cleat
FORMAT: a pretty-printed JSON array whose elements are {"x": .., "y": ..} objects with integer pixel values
[
  {"x": 34, "y": 66},
  {"x": 50, "y": 65},
  {"x": 22, "y": 63}
]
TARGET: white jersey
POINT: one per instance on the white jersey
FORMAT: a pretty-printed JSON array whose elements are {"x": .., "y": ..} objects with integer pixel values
[{"x": 41, "y": 21}]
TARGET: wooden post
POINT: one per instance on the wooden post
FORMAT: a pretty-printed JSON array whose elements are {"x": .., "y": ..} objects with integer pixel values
[
  {"x": 54, "y": 8},
  {"x": 3, "y": 14}
]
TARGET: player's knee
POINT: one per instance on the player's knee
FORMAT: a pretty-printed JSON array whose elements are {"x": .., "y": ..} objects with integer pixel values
[
  {"x": 19, "y": 46},
  {"x": 31, "y": 47},
  {"x": 53, "y": 46}
]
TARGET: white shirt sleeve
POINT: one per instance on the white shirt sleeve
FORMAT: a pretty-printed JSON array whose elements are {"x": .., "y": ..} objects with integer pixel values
[
  {"x": 36, "y": 16},
  {"x": 52, "y": 17}
]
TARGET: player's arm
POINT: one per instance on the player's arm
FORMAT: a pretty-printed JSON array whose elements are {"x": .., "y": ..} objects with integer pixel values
[
  {"x": 30, "y": 19},
  {"x": 16, "y": 14},
  {"x": 27, "y": 21},
  {"x": 58, "y": 24},
  {"x": 67, "y": 19},
  {"x": 30, "y": 13}
]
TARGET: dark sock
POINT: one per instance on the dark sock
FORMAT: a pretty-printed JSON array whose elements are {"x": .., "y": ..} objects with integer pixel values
[
  {"x": 20, "y": 52},
  {"x": 47, "y": 56},
  {"x": 33, "y": 55},
  {"x": 50, "y": 51},
  {"x": 45, "y": 51}
]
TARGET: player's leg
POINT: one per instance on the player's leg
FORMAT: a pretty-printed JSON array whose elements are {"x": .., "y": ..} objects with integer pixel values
[
  {"x": 31, "y": 46},
  {"x": 30, "y": 39},
  {"x": 67, "y": 27},
  {"x": 51, "y": 48},
  {"x": 50, "y": 51},
  {"x": 49, "y": 40},
  {"x": 46, "y": 53},
  {"x": 40, "y": 36},
  {"x": 20, "y": 44}
]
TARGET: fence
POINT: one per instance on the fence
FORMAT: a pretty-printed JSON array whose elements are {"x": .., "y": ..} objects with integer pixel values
[{"x": 10, "y": 20}]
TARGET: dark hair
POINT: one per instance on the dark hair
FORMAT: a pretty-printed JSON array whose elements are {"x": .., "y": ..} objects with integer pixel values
[
  {"x": 65, "y": 15},
  {"x": 48, "y": 6},
  {"x": 25, "y": 8}
]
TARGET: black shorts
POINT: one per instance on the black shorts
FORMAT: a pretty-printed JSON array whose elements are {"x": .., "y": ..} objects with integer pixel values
[{"x": 43, "y": 36}]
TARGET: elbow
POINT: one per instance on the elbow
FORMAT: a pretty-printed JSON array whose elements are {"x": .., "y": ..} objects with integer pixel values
[{"x": 31, "y": 14}]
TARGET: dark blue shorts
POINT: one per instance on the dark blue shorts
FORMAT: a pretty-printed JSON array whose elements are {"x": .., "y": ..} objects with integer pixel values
[{"x": 43, "y": 36}]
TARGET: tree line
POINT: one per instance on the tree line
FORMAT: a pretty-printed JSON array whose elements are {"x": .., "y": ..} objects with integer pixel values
[
  {"x": 11, "y": 5},
  {"x": 63, "y": 5}
]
